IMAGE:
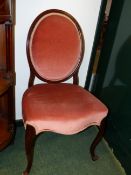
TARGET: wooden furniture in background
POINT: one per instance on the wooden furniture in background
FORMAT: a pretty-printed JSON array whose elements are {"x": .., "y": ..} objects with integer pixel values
[{"x": 7, "y": 72}]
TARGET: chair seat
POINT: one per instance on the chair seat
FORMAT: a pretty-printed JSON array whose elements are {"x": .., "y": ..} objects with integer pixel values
[{"x": 61, "y": 108}]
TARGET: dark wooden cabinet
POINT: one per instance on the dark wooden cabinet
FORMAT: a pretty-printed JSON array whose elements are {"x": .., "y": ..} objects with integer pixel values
[{"x": 7, "y": 72}]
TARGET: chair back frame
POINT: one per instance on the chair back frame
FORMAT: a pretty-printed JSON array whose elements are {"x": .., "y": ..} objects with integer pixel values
[{"x": 33, "y": 72}]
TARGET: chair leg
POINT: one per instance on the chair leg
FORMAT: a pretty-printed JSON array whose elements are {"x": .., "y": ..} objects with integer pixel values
[
  {"x": 97, "y": 140},
  {"x": 30, "y": 137}
]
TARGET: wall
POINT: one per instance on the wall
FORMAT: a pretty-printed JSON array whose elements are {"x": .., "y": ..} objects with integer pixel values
[{"x": 85, "y": 11}]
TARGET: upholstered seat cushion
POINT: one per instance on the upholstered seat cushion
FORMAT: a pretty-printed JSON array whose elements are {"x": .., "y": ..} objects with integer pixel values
[{"x": 62, "y": 108}]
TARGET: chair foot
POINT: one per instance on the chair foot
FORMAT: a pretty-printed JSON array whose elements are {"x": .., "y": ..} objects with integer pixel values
[
  {"x": 94, "y": 157},
  {"x": 25, "y": 173},
  {"x": 97, "y": 139}
]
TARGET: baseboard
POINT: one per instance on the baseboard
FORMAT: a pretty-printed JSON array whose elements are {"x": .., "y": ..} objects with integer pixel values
[{"x": 19, "y": 122}]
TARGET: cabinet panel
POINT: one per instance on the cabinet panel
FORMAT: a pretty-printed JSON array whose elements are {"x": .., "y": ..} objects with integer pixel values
[
  {"x": 2, "y": 48},
  {"x": 7, "y": 9}
]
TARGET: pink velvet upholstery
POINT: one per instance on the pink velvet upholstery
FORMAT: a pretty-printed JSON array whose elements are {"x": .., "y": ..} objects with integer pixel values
[
  {"x": 62, "y": 108},
  {"x": 55, "y": 47}
]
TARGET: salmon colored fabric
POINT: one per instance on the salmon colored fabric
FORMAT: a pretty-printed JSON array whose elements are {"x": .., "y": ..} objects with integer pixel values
[
  {"x": 55, "y": 47},
  {"x": 61, "y": 108}
]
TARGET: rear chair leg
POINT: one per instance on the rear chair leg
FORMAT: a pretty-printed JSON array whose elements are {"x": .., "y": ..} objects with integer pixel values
[
  {"x": 97, "y": 140},
  {"x": 30, "y": 137}
]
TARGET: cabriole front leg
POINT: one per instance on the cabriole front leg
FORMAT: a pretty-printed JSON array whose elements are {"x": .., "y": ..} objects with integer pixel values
[
  {"x": 30, "y": 137},
  {"x": 97, "y": 139}
]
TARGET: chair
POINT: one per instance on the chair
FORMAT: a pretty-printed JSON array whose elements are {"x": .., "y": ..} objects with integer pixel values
[{"x": 55, "y": 48}]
